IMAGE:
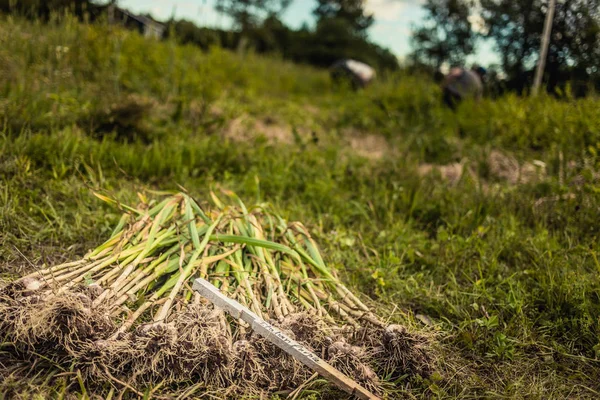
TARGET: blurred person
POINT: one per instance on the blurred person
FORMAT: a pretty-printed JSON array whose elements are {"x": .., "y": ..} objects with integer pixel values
[
  {"x": 461, "y": 84},
  {"x": 357, "y": 73}
]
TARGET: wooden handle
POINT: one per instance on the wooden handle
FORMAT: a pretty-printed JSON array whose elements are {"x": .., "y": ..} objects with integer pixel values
[{"x": 281, "y": 340}]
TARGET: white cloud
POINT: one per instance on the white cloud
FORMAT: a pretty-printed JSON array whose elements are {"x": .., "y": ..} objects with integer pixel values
[{"x": 389, "y": 10}]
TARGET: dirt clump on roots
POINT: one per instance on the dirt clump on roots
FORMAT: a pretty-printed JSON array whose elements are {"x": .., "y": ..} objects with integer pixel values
[
  {"x": 192, "y": 344},
  {"x": 196, "y": 343},
  {"x": 266, "y": 367},
  {"x": 52, "y": 324},
  {"x": 395, "y": 351}
]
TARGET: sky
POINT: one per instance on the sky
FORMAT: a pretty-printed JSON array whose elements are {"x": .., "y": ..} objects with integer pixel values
[{"x": 392, "y": 28}]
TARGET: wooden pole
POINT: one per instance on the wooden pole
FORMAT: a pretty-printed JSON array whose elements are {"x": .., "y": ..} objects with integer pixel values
[
  {"x": 281, "y": 340},
  {"x": 539, "y": 73}
]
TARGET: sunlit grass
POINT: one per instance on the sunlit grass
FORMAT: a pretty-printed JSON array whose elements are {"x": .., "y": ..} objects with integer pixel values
[{"x": 507, "y": 275}]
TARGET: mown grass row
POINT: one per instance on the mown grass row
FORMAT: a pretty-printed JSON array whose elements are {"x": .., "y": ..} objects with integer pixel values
[{"x": 508, "y": 275}]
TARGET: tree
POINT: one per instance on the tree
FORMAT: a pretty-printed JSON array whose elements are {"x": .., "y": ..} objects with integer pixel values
[
  {"x": 44, "y": 8},
  {"x": 248, "y": 13},
  {"x": 331, "y": 40},
  {"x": 446, "y": 35},
  {"x": 341, "y": 32},
  {"x": 351, "y": 11},
  {"x": 574, "y": 51},
  {"x": 335, "y": 39}
]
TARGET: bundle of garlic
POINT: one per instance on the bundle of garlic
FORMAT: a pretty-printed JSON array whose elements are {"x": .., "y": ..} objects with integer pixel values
[{"x": 128, "y": 308}]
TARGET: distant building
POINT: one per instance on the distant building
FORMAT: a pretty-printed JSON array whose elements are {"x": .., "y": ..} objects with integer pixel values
[{"x": 144, "y": 25}]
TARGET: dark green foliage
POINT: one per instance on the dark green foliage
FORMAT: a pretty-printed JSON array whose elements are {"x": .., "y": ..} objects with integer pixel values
[
  {"x": 43, "y": 9},
  {"x": 332, "y": 39},
  {"x": 247, "y": 13},
  {"x": 350, "y": 11},
  {"x": 446, "y": 34},
  {"x": 574, "y": 52},
  {"x": 340, "y": 33},
  {"x": 450, "y": 33}
]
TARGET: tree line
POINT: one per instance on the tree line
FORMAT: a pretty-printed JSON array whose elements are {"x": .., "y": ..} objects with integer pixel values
[
  {"x": 340, "y": 30},
  {"x": 449, "y": 34},
  {"x": 453, "y": 28}
]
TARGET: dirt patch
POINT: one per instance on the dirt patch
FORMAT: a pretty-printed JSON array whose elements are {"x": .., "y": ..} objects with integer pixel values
[
  {"x": 500, "y": 167},
  {"x": 311, "y": 109},
  {"x": 273, "y": 131},
  {"x": 369, "y": 145},
  {"x": 449, "y": 172},
  {"x": 245, "y": 128},
  {"x": 506, "y": 168}
]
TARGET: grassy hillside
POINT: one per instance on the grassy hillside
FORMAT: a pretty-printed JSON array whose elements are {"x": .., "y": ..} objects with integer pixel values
[{"x": 478, "y": 228}]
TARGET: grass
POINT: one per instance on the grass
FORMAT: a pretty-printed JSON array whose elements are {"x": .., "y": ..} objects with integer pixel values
[{"x": 505, "y": 273}]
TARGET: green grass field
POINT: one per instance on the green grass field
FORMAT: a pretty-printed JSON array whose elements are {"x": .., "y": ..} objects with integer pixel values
[{"x": 478, "y": 228}]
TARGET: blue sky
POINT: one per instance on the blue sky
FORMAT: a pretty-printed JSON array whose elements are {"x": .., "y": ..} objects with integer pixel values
[{"x": 392, "y": 27}]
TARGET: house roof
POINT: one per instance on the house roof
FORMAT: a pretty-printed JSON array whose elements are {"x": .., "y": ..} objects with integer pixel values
[{"x": 141, "y": 18}]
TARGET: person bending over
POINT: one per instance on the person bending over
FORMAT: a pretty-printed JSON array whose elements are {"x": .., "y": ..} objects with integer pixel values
[{"x": 461, "y": 84}]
